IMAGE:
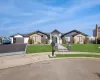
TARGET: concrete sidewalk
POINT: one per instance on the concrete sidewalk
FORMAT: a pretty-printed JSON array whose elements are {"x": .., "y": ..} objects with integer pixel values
[
  {"x": 23, "y": 59},
  {"x": 17, "y": 60}
]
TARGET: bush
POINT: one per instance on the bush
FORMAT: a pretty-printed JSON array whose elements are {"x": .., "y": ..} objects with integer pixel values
[
  {"x": 30, "y": 41},
  {"x": 86, "y": 40},
  {"x": 74, "y": 41},
  {"x": 0, "y": 40},
  {"x": 64, "y": 40},
  {"x": 98, "y": 40}
]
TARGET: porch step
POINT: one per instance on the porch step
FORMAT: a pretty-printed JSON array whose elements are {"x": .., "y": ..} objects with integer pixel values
[{"x": 62, "y": 50}]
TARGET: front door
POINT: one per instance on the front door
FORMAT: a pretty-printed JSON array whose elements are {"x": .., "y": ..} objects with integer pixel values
[{"x": 55, "y": 39}]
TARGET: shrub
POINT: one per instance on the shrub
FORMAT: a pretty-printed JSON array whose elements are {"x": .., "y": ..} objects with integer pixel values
[
  {"x": 74, "y": 41},
  {"x": 0, "y": 40},
  {"x": 98, "y": 40},
  {"x": 86, "y": 40},
  {"x": 30, "y": 41},
  {"x": 64, "y": 40},
  {"x": 39, "y": 43}
]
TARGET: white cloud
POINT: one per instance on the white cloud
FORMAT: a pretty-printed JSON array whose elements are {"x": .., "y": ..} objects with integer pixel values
[{"x": 35, "y": 14}]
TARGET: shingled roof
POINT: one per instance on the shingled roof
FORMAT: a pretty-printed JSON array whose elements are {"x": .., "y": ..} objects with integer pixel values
[
  {"x": 24, "y": 35},
  {"x": 78, "y": 32}
]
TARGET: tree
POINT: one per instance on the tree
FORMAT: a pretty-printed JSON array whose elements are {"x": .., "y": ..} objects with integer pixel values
[
  {"x": 0, "y": 40},
  {"x": 98, "y": 40},
  {"x": 86, "y": 40}
]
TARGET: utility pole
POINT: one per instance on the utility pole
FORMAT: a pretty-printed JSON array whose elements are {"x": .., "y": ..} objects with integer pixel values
[{"x": 96, "y": 39}]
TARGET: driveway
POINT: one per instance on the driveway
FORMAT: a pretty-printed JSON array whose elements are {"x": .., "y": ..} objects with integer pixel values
[
  {"x": 59, "y": 69},
  {"x": 12, "y": 48}
]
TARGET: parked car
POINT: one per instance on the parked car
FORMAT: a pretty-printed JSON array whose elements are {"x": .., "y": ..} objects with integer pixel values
[{"x": 6, "y": 42}]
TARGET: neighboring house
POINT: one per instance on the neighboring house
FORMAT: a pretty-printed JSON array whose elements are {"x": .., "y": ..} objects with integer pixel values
[
  {"x": 4, "y": 38},
  {"x": 39, "y": 37},
  {"x": 96, "y": 31},
  {"x": 19, "y": 38},
  {"x": 75, "y": 36},
  {"x": 91, "y": 39}
]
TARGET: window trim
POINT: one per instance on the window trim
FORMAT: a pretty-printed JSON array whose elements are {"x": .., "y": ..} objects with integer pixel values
[
  {"x": 80, "y": 39},
  {"x": 35, "y": 38}
]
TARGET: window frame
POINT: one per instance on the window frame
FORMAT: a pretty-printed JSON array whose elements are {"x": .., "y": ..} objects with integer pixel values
[
  {"x": 35, "y": 38},
  {"x": 80, "y": 39}
]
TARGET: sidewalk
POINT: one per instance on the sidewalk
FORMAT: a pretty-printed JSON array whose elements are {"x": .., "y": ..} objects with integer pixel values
[
  {"x": 23, "y": 59},
  {"x": 17, "y": 60}
]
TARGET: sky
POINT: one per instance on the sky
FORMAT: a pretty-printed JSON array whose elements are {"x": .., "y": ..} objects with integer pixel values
[{"x": 25, "y": 16}]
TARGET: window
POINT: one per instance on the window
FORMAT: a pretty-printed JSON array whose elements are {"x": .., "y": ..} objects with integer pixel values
[
  {"x": 35, "y": 38},
  {"x": 79, "y": 38},
  {"x": 68, "y": 39}
]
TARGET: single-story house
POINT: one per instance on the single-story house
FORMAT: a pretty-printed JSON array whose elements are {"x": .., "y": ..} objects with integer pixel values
[
  {"x": 40, "y": 37},
  {"x": 19, "y": 38},
  {"x": 75, "y": 36}
]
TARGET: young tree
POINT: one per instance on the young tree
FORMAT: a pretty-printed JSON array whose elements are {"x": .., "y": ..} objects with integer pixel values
[
  {"x": 30, "y": 41},
  {"x": 98, "y": 40}
]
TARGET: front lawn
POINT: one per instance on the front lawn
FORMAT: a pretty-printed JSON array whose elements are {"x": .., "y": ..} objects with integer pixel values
[
  {"x": 38, "y": 48},
  {"x": 76, "y": 55},
  {"x": 85, "y": 47}
]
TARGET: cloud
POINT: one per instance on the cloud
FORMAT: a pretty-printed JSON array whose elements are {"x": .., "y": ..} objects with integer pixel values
[{"x": 27, "y": 15}]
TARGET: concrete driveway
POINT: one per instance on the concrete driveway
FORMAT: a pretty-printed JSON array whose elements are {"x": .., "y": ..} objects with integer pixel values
[
  {"x": 59, "y": 69},
  {"x": 10, "y": 48}
]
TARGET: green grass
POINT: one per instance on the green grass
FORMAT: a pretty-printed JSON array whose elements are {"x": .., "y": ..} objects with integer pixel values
[
  {"x": 76, "y": 55},
  {"x": 85, "y": 47},
  {"x": 38, "y": 48}
]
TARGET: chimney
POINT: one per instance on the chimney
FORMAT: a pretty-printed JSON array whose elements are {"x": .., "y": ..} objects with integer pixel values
[{"x": 96, "y": 30}]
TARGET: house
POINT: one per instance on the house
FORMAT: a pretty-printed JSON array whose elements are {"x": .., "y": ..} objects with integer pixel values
[
  {"x": 91, "y": 39},
  {"x": 96, "y": 31},
  {"x": 75, "y": 36},
  {"x": 19, "y": 38},
  {"x": 40, "y": 37},
  {"x": 55, "y": 36}
]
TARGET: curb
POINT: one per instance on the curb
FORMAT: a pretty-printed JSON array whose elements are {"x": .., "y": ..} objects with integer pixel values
[{"x": 12, "y": 53}]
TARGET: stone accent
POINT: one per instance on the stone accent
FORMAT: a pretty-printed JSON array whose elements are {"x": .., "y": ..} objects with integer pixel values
[
  {"x": 38, "y": 38},
  {"x": 76, "y": 39}
]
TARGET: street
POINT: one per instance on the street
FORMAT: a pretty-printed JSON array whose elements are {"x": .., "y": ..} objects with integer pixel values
[{"x": 59, "y": 69}]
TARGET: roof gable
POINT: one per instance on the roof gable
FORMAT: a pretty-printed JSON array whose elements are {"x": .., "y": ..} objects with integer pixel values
[
  {"x": 23, "y": 35},
  {"x": 39, "y": 32},
  {"x": 56, "y": 31},
  {"x": 75, "y": 32}
]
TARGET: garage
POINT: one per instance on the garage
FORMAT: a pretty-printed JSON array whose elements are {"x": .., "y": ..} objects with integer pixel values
[{"x": 19, "y": 40}]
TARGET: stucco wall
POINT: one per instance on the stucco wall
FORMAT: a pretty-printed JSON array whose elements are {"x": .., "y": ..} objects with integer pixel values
[
  {"x": 57, "y": 35},
  {"x": 76, "y": 39},
  {"x": 11, "y": 40},
  {"x": 38, "y": 39},
  {"x": 18, "y": 36},
  {"x": 26, "y": 39}
]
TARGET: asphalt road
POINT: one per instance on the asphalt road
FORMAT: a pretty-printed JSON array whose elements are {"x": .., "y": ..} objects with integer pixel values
[
  {"x": 62, "y": 69},
  {"x": 12, "y": 48}
]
